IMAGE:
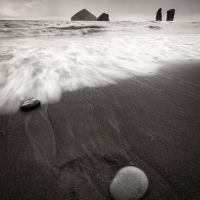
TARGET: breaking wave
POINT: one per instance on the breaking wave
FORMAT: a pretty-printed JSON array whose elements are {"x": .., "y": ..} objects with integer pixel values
[
  {"x": 49, "y": 31},
  {"x": 64, "y": 28},
  {"x": 45, "y": 67}
]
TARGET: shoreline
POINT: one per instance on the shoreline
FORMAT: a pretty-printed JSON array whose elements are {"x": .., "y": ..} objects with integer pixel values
[{"x": 72, "y": 149}]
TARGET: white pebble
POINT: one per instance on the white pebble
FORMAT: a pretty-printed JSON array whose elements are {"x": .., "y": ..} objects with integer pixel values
[{"x": 130, "y": 183}]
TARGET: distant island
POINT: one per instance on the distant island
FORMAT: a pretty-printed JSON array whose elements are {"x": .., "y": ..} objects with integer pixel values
[
  {"x": 170, "y": 15},
  {"x": 159, "y": 15},
  {"x": 85, "y": 15},
  {"x": 103, "y": 17}
]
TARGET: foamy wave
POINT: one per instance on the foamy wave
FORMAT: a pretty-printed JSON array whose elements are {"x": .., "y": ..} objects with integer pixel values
[
  {"x": 43, "y": 68},
  {"x": 49, "y": 31},
  {"x": 62, "y": 28}
]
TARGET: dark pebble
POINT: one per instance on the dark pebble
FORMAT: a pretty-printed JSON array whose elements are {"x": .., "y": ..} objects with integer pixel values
[{"x": 30, "y": 104}]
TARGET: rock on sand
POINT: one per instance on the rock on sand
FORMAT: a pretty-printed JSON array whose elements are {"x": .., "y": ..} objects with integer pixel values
[
  {"x": 130, "y": 183},
  {"x": 30, "y": 104}
]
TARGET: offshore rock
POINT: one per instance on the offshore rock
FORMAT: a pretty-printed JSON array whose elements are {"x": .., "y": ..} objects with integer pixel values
[
  {"x": 129, "y": 183},
  {"x": 159, "y": 15},
  {"x": 83, "y": 15},
  {"x": 154, "y": 27},
  {"x": 170, "y": 15},
  {"x": 103, "y": 17},
  {"x": 30, "y": 104}
]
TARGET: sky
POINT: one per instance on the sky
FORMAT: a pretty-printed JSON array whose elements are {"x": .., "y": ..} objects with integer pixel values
[{"x": 118, "y": 10}]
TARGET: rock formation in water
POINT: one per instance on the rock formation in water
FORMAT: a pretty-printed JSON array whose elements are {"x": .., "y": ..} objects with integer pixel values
[
  {"x": 83, "y": 15},
  {"x": 103, "y": 17},
  {"x": 170, "y": 15},
  {"x": 159, "y": 15}
]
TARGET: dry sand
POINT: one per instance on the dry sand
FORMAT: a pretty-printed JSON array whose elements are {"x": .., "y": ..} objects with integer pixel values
[{"x": 73, "y": 149}]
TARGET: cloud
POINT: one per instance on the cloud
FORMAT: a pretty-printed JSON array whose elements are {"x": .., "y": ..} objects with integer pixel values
[
  {"x": 117, "y": 9},
  {"x": 7, "y": 9},
  {"x": 31, "y": 4},
  {"x": 21, "y": 9}
]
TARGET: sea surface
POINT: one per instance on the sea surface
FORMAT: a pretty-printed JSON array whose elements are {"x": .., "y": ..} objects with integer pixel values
[{"x": 43, "y": 59}]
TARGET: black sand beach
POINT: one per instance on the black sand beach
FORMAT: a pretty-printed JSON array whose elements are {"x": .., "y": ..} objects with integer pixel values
[{"x": 73, "y": 149}]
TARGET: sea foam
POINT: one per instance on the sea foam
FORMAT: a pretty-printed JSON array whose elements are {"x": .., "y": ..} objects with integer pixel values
[{"x": 44, "y": 67}]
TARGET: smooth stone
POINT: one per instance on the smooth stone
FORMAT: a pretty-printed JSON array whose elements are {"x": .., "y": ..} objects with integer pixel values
[
  {"x": 130, "y": 183},
  {"x": 30, "y": 104}
]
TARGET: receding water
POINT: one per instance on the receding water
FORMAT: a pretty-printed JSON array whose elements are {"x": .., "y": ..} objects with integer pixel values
[{"x": 45, "y": 58}]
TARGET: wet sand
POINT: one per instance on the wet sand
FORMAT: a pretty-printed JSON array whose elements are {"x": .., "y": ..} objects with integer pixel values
[{"x": 73, "y": 149}]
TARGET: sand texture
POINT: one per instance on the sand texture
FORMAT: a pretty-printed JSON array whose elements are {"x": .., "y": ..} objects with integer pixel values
[{"x": 72, "y": 149}]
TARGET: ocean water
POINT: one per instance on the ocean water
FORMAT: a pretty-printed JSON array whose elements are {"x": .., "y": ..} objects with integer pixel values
[{"x": 43, "y": 59}]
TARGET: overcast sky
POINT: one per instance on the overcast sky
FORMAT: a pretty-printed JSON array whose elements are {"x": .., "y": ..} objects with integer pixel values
[{"x": 118, "y": 10}]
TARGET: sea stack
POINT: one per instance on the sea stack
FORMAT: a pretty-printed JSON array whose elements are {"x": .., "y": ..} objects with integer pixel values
[
  {"x": 170, "y": 15},
  {"x": 83, "y": 15},
  {"x": 103, "y": 17},
  {"x": 159, "y": 15}
]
